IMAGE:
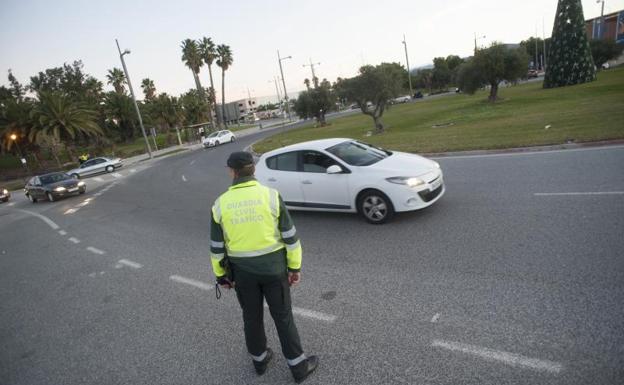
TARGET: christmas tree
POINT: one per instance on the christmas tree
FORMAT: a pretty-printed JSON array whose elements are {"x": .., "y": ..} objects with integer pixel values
[{"x": 569, "y": 60}]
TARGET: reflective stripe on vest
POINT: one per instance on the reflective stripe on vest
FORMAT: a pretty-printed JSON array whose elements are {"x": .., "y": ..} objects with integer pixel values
[{"x": 248, "y": 213}]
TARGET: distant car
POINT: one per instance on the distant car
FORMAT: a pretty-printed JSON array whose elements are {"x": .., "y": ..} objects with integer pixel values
[
  {"x": 532, "y": 74},
  {"x": 346, "y": 175},
  {"x": 5, "y": 195},
  {"x": 96, "y": 166},
  {"x": 401, "y": 99},
  {"x": 418, "y": 95},
  {"x": 53, "y": 186},
  {"x": 218, "y": 137}
]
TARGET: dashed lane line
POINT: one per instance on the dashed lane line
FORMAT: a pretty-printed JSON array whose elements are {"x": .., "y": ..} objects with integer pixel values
[
  {"x": 511, "y": 359},
  {"x": 96, "y": 251},
  {"x": 192, "y": 162},
  {"x": 12, "y": 204},
  {"x": 192, "y": 282},
  {"x": 117, "y": 175},
  {"x": 74, "y": 240},
  {"x": 98, "y": 179},
  {"x": 435, "y": 318},
  {"x": 47, "y": 220},
  {"x": 124, "y": 262},
  {"x": 183, "y": 178},
  {"x": 579, "y": 193},
  {"x": 62, "y": 232},
  {"x": 133, "y": 170},
  {"x": 71, "y": 211}
]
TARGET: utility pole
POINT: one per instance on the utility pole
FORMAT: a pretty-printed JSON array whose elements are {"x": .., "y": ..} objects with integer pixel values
[
  {"x": 136, "y": 106},
  {"x": 544, "y": 40},
  {"x": 475, "y": 41},
  {"x": 409, "y": 75},
  {"x": 279, "y": 59},
  {"x": 311, "y": 65},
  {"x": 536, "y": 62}
]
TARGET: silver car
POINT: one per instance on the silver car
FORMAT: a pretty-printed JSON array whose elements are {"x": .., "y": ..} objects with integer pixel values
[{"x": 96, "y": 166}]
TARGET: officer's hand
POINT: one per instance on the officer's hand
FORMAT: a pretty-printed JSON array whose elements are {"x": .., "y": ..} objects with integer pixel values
[
  {"x": 294, "y": 278},
  {"x": 225, "y": 283}
]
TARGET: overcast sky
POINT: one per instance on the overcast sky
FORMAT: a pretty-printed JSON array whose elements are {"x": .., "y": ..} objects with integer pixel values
[{"x": 340, "y": 34}]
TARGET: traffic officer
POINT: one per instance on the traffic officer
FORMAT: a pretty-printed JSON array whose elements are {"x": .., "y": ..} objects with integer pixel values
[{"x": 255, "y": 249}]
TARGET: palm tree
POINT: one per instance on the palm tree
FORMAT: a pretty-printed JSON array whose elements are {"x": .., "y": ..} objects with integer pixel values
[
  {"x": 149, "y": 89},
  {"x": 58, "y": 119},
  {"x": 191, "y": 56},
  {"x": 117, "y": 79},
  {"x": 224, "y": 61},
  {"x": 209, "y": 54},
  {"x": 307, "y": 83}
]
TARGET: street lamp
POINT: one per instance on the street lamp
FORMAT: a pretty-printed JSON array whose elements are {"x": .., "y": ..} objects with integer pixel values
[
  {"x": 475, "y": 40},
  {"x": 279, "y": 59},
  {"x": 601, "y": 28},
  {"x": 136, "y": 106},
  {"x": 409, "y": 76},
  {"x": 13, "y": 137}
]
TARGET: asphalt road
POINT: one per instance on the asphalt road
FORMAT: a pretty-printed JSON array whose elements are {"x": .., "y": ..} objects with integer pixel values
[{"x": 501, "y": 282}]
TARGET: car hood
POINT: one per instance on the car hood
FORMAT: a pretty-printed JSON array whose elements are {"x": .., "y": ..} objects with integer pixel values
[
  {"x": 404, "y": 164},
  {"x": 68, "y": 183}
]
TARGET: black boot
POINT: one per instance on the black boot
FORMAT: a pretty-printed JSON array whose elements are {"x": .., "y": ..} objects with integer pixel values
[
  {"x": 302, "y": 370},
  {"x": 261, "y": 366}
]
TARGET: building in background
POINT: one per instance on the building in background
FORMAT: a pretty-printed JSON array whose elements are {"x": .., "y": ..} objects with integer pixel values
[{"x": 613, "y": 28}]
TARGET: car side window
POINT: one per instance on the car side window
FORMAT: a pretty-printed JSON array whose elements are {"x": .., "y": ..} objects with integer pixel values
[
  {"x": 284, "y": 162},
  {"x": 31, "y": 182},
  {"x": 314, "y": 161},
  {"x": 100, "y": 160},
  {"x": 88, "y": 163},
  {"x": 36, "y": 181}
]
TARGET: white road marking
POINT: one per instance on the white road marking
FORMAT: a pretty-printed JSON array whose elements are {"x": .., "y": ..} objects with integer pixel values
[
  {"x": 605, "y": 148},
  {"x": 311, "y": 314},
  {"x": 497, "y": 355},
  {"x": 12, "y": 204},
  {"x": 74, "y": 240},
  {"x": 98, "y": 194},
  {"x": 71, "y": 211},
  {"x": 133, "y": 170},
  {"x": 435, "y": 318},
  {"x": 117, "y": 175},
  {"x": 98, "y": 179},
  {"x": 96, "y": 251},
  {"x": 47, "y": 220},
  {"x": 579, "y": 193},
  {"x": 192, "y": 282},
  {"x": 126, "y": 262},
  {"x": 192, "y": 162},
  {"x": 88, "y": 200},
  {"x": 62, "y": 232},
  {"x": 183, "y": 178},
  {"x": 84, "y": 204}
]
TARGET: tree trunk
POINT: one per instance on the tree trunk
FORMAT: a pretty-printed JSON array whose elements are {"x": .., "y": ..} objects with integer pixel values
[
  {"x": 213, "y": 95},
  {"x": 379, "y": 127},
  {"x": 223, "y": 98},
  {"x": 53, "y": 149},
  {"x": 493, "y": 92},
  {"x": 202, "y": 94}
]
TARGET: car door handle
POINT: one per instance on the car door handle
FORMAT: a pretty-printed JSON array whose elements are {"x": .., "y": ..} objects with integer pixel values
[
  {"x": 306, "y": 182},
  {"x": 272, "y": 180}
]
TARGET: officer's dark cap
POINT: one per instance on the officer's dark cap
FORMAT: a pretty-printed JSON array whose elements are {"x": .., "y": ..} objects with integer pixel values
[{"x": 240, "y": 159}]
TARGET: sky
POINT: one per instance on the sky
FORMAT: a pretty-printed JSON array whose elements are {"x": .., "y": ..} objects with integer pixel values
[{"x": 341, "y": 35}]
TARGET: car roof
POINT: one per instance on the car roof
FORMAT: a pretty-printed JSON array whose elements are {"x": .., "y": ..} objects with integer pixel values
[
  {"x": 51, "y": 173},
  {"x": 320, "y": 144}
]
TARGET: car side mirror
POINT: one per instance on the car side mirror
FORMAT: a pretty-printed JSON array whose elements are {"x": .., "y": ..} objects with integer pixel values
[{"x": 334, "y": 169}]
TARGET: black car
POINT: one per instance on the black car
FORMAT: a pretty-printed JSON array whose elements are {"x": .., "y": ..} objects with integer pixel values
[
  {"x": 4, "y": 195},
  {"x": 53, "y": 186}
]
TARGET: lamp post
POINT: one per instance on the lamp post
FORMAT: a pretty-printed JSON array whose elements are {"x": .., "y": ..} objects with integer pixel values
[
  {"x": 409, "y": 76},
  {"x": 136, "y": 106},
  {"x": 475, "y": 40},
  {"x": 279, "y": 59},
  {"x": 311, "y": 65},
  {"x": 279, "y": 96},
  {"x": 601, "y": 26},
  {"x": 13, "y": 137}
]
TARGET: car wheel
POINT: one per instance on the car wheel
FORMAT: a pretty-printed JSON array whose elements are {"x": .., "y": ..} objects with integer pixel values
[
  {"x": 5, "y": 200},
  {"x": 375, "y": 207},
  {"x": 232, "y": 139},
  {"x": 217, "y": 143},
  {"x": 75, "y": 176},
  {"x": 110, "y": 168},
  {"x": 50, "y": 196},
  {"x": 84, "y": 190}
]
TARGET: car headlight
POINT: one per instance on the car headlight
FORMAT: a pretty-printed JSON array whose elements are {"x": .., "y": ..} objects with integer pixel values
[
  {"x": 59, "y": 189},
  {"x": 5, "y": 191},
  {"x": 406, "y": 180},
  {"x": 436, "y": 165},
  {"x": 80, "y": 184}
]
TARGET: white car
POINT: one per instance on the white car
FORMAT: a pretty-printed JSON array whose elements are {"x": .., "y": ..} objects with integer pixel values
[
  {"x": 218, "y": 137},
  {"x": 350, "y": 176},
  {"x": 401, "y": 99},
  {"x": 96, "y": 166}
]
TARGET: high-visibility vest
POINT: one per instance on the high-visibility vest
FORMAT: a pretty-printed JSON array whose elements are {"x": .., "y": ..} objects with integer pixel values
[{"x": 248, "y": 214}]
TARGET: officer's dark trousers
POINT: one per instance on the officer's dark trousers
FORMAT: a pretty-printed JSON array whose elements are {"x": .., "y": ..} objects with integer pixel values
[{"x": 250, "y": 290}]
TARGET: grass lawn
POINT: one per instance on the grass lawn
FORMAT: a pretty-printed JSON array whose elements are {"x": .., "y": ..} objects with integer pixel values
[{"x": 582, "y": 113}]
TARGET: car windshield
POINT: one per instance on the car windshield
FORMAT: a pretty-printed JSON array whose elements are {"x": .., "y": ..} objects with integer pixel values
[
  {"x": 358, "y": 154},
  {"x": 214, "y": 134},
  {"x": 53, "y": 178}
]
